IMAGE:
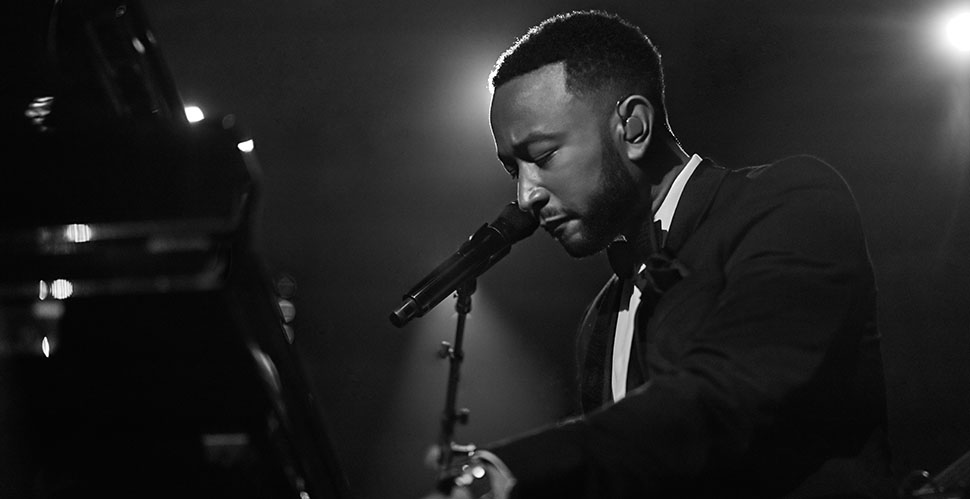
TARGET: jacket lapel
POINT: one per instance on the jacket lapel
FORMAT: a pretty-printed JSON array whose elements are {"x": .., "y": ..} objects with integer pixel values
[
  {"x": 596, "y": 346},
  {"x": 694, "y": 203},
  {"x": 599, "y": 324}
]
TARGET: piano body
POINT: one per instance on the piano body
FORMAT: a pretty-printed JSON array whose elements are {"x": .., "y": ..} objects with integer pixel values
[{"x": 143, "y": 352}]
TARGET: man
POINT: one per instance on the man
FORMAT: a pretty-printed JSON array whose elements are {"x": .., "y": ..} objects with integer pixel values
[{"x": 734, "y": 353}]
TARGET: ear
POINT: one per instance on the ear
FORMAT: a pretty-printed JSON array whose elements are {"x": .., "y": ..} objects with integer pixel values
[{"x": 635, "y": 116}]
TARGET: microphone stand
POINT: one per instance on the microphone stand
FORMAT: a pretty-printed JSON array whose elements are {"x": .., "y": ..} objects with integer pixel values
[{"x": 450, "y": 416}]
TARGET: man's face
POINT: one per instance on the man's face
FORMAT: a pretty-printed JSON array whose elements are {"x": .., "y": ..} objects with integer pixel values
[{"x": 568, "y": 170}]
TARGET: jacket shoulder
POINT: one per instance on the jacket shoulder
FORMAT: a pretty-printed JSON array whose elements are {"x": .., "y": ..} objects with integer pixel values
[{"x": 803, "y": 167}]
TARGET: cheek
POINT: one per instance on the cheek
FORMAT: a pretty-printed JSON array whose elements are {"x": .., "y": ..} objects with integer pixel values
[{"x": 578, "y": 180}]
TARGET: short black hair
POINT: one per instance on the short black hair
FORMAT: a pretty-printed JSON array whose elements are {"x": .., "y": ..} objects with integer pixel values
[{"x": 600, "y": 50}]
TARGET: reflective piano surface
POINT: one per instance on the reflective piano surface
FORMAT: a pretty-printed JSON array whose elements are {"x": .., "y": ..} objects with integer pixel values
[{"x": 142, "y": 347}]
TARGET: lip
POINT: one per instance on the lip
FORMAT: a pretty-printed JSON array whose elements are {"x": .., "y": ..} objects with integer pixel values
[{"x": 554, "y": 225}]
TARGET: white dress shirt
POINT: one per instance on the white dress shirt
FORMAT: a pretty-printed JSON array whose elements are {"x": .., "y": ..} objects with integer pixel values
[{"x": 625, "y": 327}]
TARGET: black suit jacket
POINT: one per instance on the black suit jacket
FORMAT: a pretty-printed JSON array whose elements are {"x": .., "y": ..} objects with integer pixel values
[{"x": 762, "y": 365}]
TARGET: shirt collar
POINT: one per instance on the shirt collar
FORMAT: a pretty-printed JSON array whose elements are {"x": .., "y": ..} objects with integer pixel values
[
  {"x": 623, "y": 254},
  {"x": 665, "y": 214}
]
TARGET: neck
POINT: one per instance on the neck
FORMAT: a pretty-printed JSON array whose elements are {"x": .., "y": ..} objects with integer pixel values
[
  {"x": 663, "y": 163},
  {"x": 674, "y": 159}
]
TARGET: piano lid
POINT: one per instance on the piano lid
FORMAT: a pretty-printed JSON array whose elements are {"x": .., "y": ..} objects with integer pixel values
[
  {"x": 104, "y": 170},
  {"x": 141, "y": 347},
  {"x": 100, "y": 134}
]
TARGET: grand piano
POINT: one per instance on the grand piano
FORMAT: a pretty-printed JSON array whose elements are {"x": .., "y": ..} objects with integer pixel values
[{"x": 143, "y": 349}]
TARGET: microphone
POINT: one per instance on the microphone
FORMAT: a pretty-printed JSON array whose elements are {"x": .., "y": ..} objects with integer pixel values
[{"x": 483, "y": 249}]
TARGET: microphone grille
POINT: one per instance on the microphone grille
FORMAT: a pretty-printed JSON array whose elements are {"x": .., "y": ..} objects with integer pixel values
[{"x": 515, "y": 224}]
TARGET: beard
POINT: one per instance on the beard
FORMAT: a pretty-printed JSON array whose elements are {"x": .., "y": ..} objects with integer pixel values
[{"x": 610, "y": 206}]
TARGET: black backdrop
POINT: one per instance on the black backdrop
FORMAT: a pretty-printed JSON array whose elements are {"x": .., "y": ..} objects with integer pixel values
[{"x": 370, "y": 123}]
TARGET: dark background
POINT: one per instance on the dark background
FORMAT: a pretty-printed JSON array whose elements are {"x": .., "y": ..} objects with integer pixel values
[{"x": 370, "y": 121}]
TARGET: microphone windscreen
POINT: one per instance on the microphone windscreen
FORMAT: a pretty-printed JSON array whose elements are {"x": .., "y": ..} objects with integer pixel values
[{"x": 515, "y": 224}]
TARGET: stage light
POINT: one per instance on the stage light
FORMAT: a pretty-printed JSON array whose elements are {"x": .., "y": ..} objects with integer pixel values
[
  {"x": 62, "y": 289},
  {"x": 38, "y": 110},
  {"x": 246, "y": 145},
  {"x": 194, "y": 114},
  {"x": 78, "y": 233},
  {"x": 957, "y": 31}
]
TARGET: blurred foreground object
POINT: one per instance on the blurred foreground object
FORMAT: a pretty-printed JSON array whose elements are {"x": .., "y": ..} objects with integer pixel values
[
  {"x": 951, "y": 483},
  {"x": 142, "y": 348}
]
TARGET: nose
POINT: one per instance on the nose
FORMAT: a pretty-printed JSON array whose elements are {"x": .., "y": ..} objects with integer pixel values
[{"x": 530, "y": 194}]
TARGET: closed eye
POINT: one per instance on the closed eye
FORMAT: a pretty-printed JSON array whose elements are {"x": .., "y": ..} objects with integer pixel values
[
  {"x": 512, "y": 168},
  {"x": 542, "y": 159}
]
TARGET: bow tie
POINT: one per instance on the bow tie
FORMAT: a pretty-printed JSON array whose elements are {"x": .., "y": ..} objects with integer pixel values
[{"x": 661, "y": 269}]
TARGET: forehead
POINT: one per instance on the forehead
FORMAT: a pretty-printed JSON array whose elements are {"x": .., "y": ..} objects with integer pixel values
[{"x": 536, "y": 102}]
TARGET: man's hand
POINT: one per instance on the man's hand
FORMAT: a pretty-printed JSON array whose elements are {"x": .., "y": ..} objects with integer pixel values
[{"x": 478, "y": 475}]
